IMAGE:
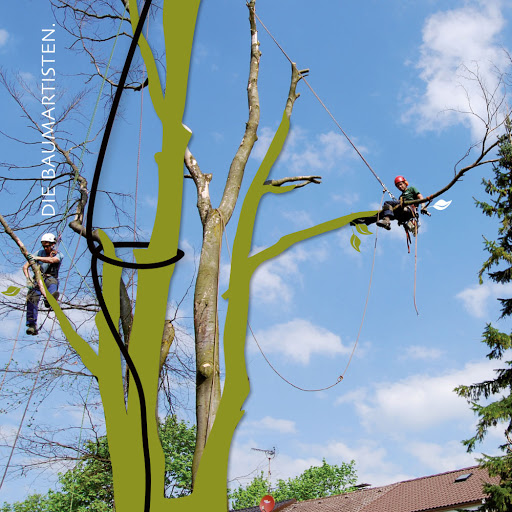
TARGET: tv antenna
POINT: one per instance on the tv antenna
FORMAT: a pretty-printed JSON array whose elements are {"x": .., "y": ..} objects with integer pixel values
[{"x": 270, "y": 455}]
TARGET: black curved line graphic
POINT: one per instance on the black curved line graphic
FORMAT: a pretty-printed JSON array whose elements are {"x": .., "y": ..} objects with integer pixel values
[{"x": 96, "y": 253}]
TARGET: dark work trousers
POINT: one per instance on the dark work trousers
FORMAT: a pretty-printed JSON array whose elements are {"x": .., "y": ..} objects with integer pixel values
[{"x": 33, "y": 296}]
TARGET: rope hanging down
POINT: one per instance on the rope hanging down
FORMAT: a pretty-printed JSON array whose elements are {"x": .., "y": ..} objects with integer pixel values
[
  {"x": 60, "y": 229},
  {"x": 329, "y": 112},
  {"x": 341, "y": 377}
]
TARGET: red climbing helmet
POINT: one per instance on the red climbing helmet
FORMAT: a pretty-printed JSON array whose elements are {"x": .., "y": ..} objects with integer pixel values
[{"x": 399, "y": 179}]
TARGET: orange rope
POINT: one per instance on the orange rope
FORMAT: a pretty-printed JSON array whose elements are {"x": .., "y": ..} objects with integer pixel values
[
  {"x": 341, "y": 377},
  {"x": 415, "y": 267}
]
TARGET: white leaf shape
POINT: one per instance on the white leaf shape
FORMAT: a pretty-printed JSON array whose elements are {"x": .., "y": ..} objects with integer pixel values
[{"x": 442, "y": 205}]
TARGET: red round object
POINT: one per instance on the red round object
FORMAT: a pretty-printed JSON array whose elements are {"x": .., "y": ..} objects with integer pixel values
[
  {"x": 398, "y": 179},
  {"x": 267, "y": 503}
]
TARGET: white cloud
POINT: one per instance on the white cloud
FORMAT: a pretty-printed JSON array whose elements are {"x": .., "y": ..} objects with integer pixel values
[
  {"x": 419, "y": 402},
  {"x": 441, "y": 457},
  {"x": 191, "y": 255},
  {"x": 265, "y": 136},
  {"x": 372, "y": 463},
  {"x": 27, "y": 77},
  {"x": 304, "y": 153},
  {"x": 268, "y": 285},
  {"x": 421, "y": 352},
  {"x": 457, "y": 43},
  {"x": 271, "y": 424},
  {"x": 348, "y": 198},
  {"x": 274, "y": 280},
  {"x": 299, "y": 218},
  {"x": 476, "y": 298},
  {"x": 246, "y": 463},
  {"x": 298, "y": 340},
  {"x": 4, "y": 37}
]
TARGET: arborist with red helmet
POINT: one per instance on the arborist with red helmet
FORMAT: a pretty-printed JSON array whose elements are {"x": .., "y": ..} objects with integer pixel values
[
  {"x": 49, "y": 261},
  {"x": 404, "y": 213}
]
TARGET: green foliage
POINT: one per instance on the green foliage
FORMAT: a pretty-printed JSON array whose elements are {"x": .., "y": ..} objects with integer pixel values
[
  {"x": 178, "y": 441},
  {"x": 498, "y": 411},
  {"x": 315, "y": 482},
  {"x": 88, "y": 487}
]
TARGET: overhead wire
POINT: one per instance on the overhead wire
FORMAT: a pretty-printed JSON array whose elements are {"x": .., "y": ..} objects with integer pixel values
[
  {"x": 328, "y": 111},
  {"x": 350, "y": 142}
]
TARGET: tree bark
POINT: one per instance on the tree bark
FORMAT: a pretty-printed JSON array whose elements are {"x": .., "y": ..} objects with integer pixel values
[{"x": 208, "y": 393}]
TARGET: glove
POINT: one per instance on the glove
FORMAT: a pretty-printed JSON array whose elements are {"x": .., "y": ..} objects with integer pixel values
[
  {"x": 424, "y": 210},
  {"x": 31, "y": 257},
  {"x": 30, "y": 283}
]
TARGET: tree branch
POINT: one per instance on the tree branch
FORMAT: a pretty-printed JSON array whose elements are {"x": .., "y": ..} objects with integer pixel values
[
  {"x": 237, "y": 168},
  {"x": 33, "y": 265},
  {"x": 306, "y": 180},
  {"x": 202, "y": 182}
]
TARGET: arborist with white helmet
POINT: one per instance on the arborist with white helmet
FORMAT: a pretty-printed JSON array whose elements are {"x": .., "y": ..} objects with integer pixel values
[
  {"x": 402, "y": 214},
  {"x": 49, "y": 260}
]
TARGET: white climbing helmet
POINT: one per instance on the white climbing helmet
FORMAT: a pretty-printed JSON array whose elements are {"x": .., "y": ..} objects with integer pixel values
[{"x": 49, "y": 237}]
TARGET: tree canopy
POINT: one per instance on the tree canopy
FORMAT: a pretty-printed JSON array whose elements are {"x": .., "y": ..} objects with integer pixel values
[
  {"x": 315, "y": 482},
  {"x": 89, "y": 485}
]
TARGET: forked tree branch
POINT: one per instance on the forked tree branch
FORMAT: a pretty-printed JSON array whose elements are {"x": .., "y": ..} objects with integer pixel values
[{"x": 306, "y": 180}]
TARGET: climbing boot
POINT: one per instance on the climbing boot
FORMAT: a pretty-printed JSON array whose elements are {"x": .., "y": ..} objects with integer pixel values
[
  {"x": 32, "y": 329},
  {"x": 384, "y": 223},
  {"x": 56, "y": 295}
]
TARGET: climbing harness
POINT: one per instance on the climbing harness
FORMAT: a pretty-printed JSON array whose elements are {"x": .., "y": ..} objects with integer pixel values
[{"x": 410, "y": 226}]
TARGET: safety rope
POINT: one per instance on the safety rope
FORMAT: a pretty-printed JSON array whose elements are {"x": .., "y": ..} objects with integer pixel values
[
  {"x": 36, "y": 378},
  {"x": 5, "y": 370},
  {"x": 328, "y": 112},
  {"x": 27, "y": 406},
  {"x": 415, "y": 267},
  {"x": 84, "y": 147},
  {"x": 59, "y": 231},
  {"x": 138, "y": 162},
  {"x": 342, "y": 376}
]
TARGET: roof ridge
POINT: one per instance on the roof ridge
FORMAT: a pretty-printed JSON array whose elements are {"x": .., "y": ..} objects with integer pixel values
[
  {"x": 351, "y": 492},
  {"x": 439, "y": 474}
]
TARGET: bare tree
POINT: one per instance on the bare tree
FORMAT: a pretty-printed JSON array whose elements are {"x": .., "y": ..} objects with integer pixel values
[{"x": 138, "y": 473}]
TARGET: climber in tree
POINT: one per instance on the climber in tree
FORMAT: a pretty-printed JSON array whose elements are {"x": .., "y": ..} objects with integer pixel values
[
  {"x": 393, "y": 209},
  {"x": 403, "y": 213},
  {"x": 49, "y": 260}
]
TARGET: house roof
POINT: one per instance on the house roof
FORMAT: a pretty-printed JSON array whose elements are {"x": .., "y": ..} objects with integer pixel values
[
  {"x": 280, "y": 505},
  {"x": 350, "y": 502},
  {"x": 423, "y": 494}
]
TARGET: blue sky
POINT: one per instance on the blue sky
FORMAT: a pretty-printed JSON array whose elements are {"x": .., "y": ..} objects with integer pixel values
[{"x": 395, "y": 76}]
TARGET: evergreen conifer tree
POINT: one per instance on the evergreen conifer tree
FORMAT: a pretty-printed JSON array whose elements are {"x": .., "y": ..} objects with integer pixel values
[{"x": 498, "y": 267}]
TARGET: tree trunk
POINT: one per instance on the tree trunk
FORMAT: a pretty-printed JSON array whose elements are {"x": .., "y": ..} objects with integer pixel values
[{"x": 206, "y": 328}]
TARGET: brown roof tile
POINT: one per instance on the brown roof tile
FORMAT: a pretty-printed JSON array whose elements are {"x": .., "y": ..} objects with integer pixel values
[
  {"x": 433, "y": 492},
  {"x": 349, "y": 502},
  {"x": 419, "y": 495}
]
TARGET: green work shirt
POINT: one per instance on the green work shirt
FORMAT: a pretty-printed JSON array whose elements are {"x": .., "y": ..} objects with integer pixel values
[{"x": 410, "y": 193}]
